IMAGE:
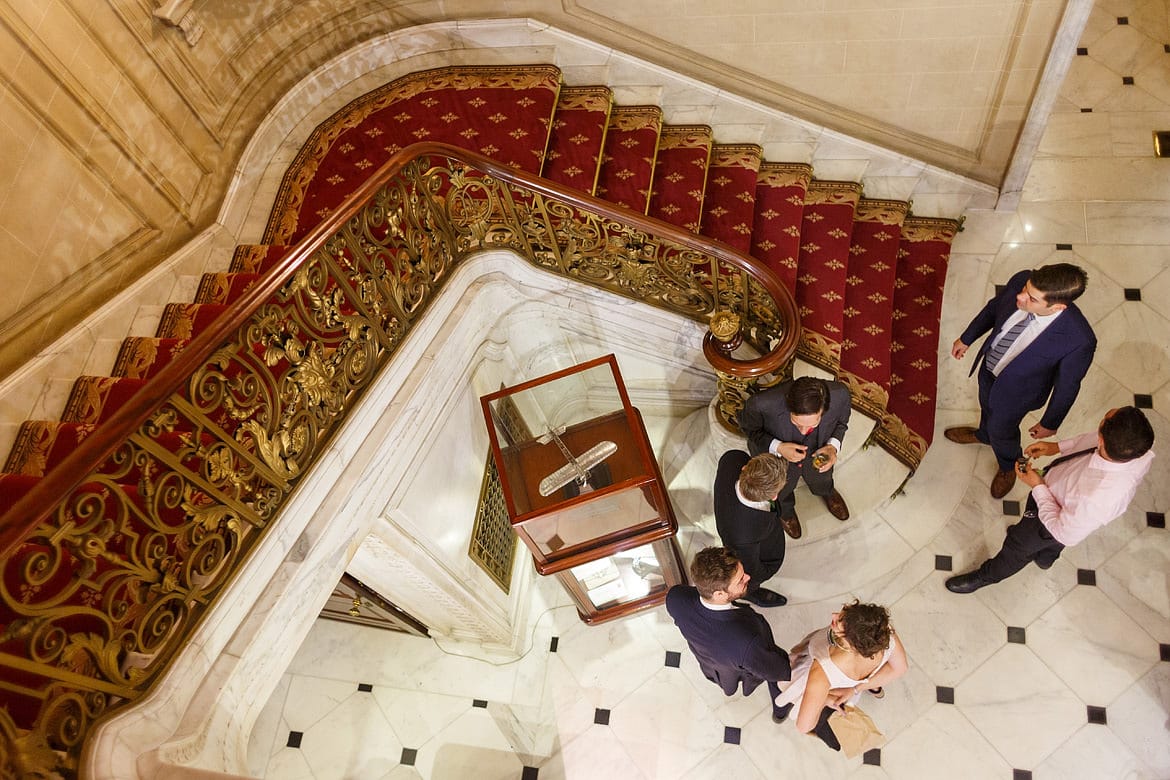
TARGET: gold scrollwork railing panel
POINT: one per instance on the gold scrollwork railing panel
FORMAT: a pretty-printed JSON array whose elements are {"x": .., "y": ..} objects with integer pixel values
[{"x": 112, "y": 558}]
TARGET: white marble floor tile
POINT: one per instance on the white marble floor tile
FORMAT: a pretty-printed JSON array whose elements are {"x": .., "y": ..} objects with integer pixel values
[
  {"x": 1138, "y": 718},
  {"x": 779, "y": 750},
  {"x": 1014, "y": 694},
  {"x": 612, "y": 657},
  {"x": 289, "y": 763},
  {"x": 1093, "y": 751},
  {"x": 726, "y": 761},
  {"x": 573, "y": 708},
  {"x": 1029, "y": 593},
  {"x": 1095, "y": 647},
  {"x": 844, "y": 563},
  {"x": 1134, "y": 348},
  {"x": 309, "y": 699},
  {"x": 270, "y": 725},
  {"x": 596, "y": 753},
  {"x": 665, "y": 727},
  {"x": 1137, "y": 579},
  {"x": 416, "y": 716},
  {"x": 907, "y": 699},
  {"x": 947, "y": 635},
  {"x": 471, "y": 746},
  {"x": 943, "y": 738},
  {"x": 353, "y": 740}
]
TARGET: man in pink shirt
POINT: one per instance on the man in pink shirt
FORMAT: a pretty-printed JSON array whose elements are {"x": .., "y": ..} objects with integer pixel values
[{"x": 1088, "y": 486}]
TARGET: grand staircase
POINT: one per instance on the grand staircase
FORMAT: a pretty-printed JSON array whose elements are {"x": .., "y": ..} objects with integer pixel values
[{"x": 866, "y": 274}]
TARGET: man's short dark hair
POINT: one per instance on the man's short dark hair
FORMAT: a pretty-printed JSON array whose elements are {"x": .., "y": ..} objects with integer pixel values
[
  {"x": 712, "y": 570},
  {"x": 807, "y": 395},
  {"x": 1060, "y": 282},
  {"x": 1127, "y": 434},
  {"x": 866, "y": 627}
]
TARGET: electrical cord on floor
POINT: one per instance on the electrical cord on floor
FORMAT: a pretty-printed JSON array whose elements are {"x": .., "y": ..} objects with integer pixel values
[{"x": 521, "y": 657}]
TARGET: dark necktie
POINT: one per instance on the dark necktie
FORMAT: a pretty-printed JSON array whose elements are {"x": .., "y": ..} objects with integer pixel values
[
  {"x": 1065, "y": 458},
  {"x": 1000, "y": 347}
]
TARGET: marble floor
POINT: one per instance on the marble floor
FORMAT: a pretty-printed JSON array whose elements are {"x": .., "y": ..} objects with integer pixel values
[
  {"x": 1056, "y": 674},
  {"x": 1052, "y": 674}
]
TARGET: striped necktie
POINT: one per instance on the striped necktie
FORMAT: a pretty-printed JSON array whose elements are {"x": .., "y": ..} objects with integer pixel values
[{"x": 1000, "y": 347}]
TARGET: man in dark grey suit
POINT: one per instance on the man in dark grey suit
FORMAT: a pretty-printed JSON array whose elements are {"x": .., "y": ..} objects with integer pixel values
[
  {"x": 803, "y": 421},
  {"x": 1039, "y": 350},
  {"x": 732, "y": 643}
]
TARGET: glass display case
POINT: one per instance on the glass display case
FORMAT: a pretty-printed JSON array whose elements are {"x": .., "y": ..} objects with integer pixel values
[{"x": 583, "y": 490}]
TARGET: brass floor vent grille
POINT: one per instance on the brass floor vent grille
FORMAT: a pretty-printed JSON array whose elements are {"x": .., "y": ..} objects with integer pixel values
[{"x": 493, "y": 544}]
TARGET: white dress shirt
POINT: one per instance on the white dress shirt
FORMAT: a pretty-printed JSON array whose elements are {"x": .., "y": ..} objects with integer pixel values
[{"x": 1034, "y": 329}]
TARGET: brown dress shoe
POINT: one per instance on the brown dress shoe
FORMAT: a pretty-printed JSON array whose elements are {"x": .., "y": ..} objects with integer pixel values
[
  {"x": 1002, "y": 483},
  {"x": 836, "y": 505},
  {"x": 791, "y": 525},
  {"x": 961, "y": 434}
]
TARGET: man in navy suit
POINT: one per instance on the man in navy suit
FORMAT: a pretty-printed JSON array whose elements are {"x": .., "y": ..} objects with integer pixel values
[
  {"x": 802, "y": 421},
  {"x": 1039, "y": 350},
  {"x": 732, "y": 643}
]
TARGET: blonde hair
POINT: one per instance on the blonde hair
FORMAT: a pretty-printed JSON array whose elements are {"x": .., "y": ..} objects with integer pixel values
[{"x": 762, "y": 477}]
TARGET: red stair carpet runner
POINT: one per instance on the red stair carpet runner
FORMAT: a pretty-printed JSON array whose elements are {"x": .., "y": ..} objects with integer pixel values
[
  {"x": 729, "y": 204},
  {"x": 869, "y": 303},
  {"x": 577, "y": 137},
  {"x": 825, "y": 235},
  {"x": 680, "y": 175},
  {"x": 627, "y": 164},
  {"x": 867, "y": 276},
  {"x": 780, "y": 193},
  {"x": 502, "y": 112}
]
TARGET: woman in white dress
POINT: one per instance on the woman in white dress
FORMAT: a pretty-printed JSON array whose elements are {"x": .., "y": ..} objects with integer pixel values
[{"x": 832, "y": 666}]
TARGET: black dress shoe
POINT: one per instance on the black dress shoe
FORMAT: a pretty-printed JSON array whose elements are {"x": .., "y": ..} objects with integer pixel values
[
  {"x": 762, "y": 597},
  {"x": 780, "y": 714},
  {"x": 966, "y": 583}
]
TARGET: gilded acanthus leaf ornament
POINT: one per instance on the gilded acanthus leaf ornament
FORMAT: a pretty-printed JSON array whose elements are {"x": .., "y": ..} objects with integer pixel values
[{"x": 117, "y": 577}]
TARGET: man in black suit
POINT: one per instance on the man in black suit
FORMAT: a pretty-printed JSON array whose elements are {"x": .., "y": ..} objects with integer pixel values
[
  {"x": 747, "y": 522},
  {"x": 1040, "y": 346},
  {"x": 732, "y": 643},
  {"x": 803, "y": 421}
]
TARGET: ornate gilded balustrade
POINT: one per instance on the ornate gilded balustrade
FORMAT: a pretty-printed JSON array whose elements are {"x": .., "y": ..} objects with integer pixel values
[{"x": 112, "y": 558}]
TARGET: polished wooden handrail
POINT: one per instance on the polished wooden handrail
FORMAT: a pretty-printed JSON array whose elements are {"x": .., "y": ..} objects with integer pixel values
[{"x": 18, "y": 520}]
